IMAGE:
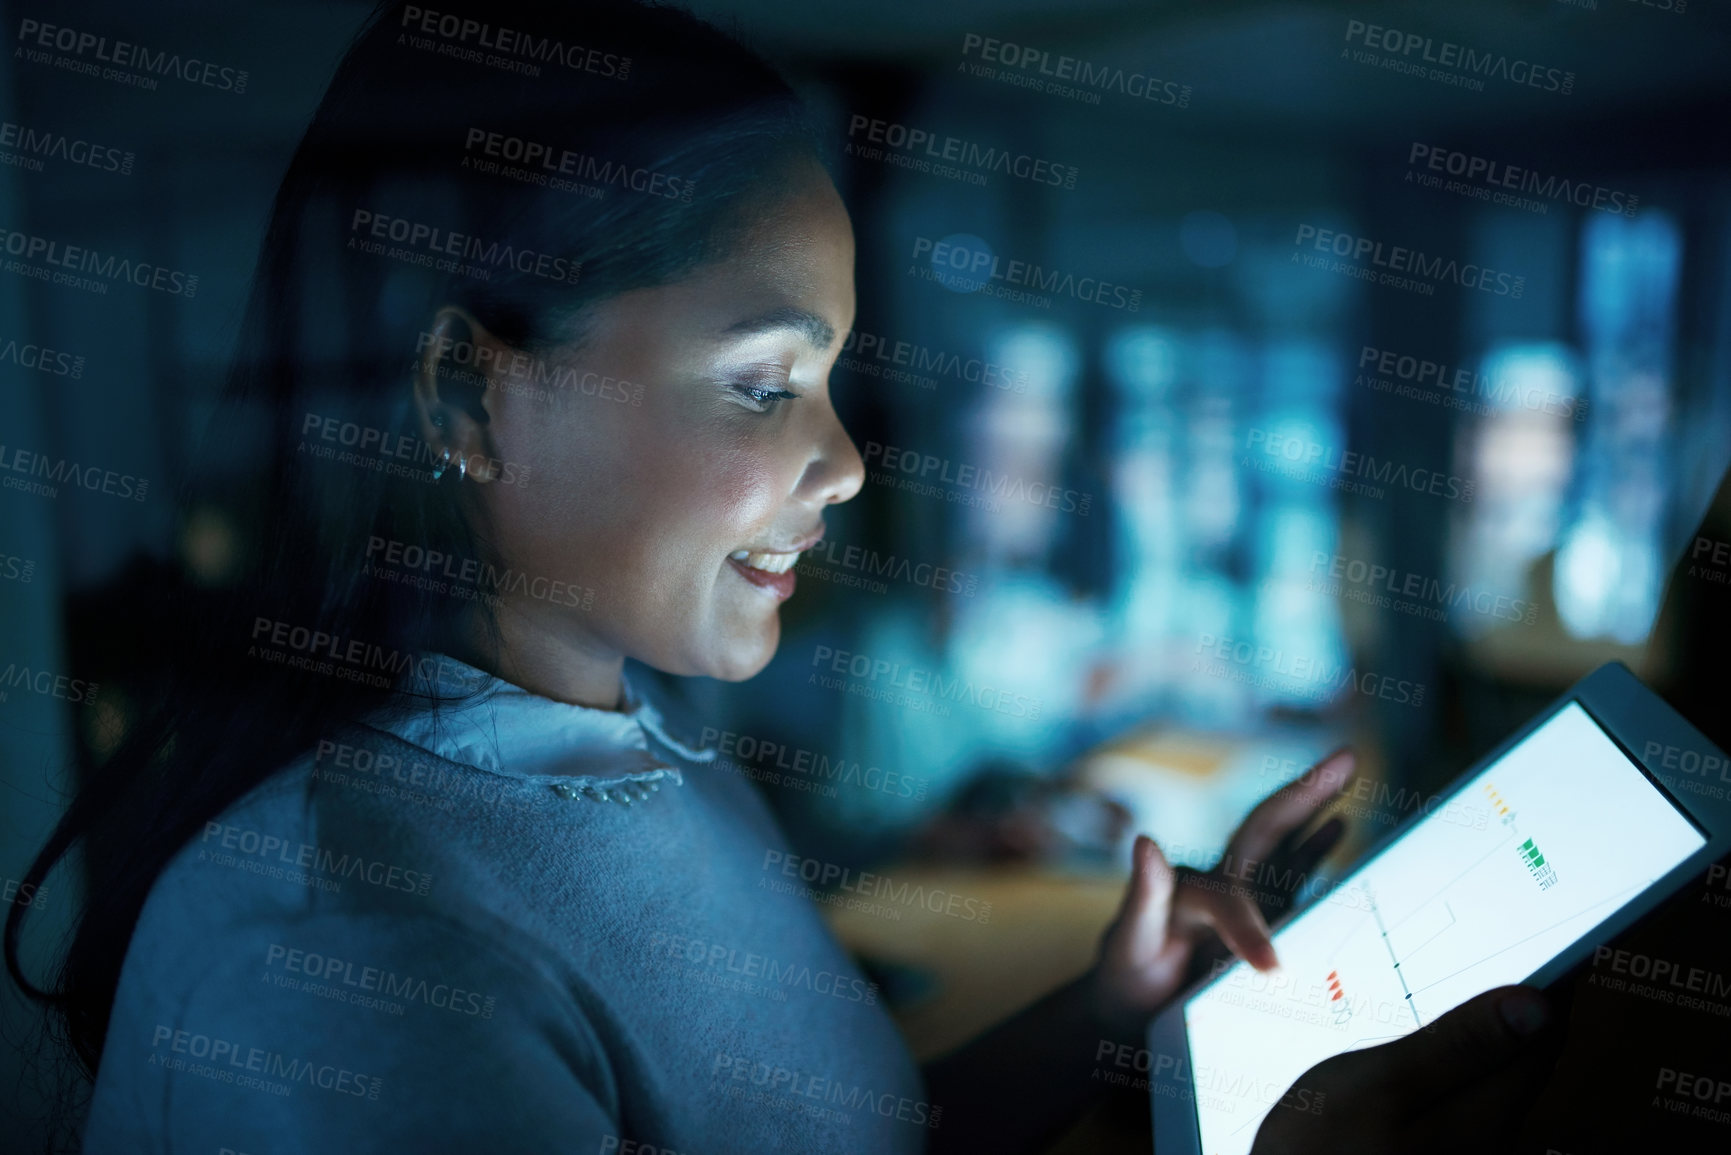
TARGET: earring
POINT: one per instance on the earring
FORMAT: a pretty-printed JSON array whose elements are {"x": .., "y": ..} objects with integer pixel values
[
  {"x": 463, "y": 466},
  {"x": 444, "y": 464}
]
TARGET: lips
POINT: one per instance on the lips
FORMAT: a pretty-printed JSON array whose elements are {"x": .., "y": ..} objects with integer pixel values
[
  {"x": 755, "y": 568},
  {"x": 771, "y": 570}
]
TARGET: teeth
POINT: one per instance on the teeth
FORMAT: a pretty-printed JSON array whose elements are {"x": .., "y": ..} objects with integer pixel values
[{"x": 767, "y": 562}]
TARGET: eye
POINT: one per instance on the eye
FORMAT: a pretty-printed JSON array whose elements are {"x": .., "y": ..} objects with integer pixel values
[{"x": 761, "y": 398}]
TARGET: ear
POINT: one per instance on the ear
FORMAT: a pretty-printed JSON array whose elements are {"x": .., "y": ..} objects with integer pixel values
[{"x": 454, "y": 391}]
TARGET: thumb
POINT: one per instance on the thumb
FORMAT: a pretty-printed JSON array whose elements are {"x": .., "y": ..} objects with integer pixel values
[{"x": 1471, "y": 1041}]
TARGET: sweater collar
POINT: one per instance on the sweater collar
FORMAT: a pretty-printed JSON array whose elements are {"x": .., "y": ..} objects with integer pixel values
[{"x": 463, "y": 714}]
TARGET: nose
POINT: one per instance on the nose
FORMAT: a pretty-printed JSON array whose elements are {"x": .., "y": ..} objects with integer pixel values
[{"x": 835, "y": 472}]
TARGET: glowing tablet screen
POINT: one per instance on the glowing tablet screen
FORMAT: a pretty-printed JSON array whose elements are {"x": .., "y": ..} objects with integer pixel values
[{"x": 1548, "y": 840}]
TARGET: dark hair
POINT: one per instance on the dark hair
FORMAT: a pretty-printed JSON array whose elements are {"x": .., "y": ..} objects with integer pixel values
[{"x": 531, "y": 159}]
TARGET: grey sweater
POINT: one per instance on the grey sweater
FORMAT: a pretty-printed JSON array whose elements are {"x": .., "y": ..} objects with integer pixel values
[{"x": 514, "y": 926}]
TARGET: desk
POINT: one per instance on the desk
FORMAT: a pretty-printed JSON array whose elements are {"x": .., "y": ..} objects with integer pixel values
[{"x": 1041, "y": 931}]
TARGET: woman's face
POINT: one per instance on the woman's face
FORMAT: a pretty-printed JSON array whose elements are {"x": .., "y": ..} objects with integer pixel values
[{"x": 681, "y": 491}]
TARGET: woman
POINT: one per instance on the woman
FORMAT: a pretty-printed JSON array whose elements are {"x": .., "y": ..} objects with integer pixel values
[{"x": 401, "y": 859}]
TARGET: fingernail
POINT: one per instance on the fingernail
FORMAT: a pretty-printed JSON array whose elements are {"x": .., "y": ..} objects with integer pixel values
[
  {"x": 1525, "y": 1012},
  {"x": 1337, "y": 764}
]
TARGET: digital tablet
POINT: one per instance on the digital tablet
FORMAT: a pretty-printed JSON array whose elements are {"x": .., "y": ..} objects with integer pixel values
[{"x": 1593, "y": 813}]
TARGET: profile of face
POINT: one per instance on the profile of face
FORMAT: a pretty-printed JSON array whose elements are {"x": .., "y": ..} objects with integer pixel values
[{"x": 686, "y": 459}]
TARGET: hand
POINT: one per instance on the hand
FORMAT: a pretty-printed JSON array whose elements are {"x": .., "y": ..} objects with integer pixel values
[
  {"x": 1460, "y": 1084},
  {"x": 1147, "y": 952}
]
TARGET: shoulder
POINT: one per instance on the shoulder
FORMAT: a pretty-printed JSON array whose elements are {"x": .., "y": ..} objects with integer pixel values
[
  {"x": 366, "y": 840},
  {"x": 362, "y": 822},
  {"x": 412, "y": 1030}
]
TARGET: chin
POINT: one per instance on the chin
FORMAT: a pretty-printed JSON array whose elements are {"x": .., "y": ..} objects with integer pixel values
[{"x": 744, "y": 658}]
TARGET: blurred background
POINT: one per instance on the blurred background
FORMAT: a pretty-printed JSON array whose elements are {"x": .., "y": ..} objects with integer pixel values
[{"x": 1233, "y": 382}]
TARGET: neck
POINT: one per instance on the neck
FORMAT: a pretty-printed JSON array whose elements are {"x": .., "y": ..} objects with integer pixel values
[{"x": 545, "y": 657}]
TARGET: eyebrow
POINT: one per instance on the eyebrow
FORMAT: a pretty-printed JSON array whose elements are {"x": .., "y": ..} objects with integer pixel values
[{"x": 812, "y": 327}]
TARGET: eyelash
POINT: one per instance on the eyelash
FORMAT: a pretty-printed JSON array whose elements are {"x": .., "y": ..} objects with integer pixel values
[{"x": 768, "y": 399}]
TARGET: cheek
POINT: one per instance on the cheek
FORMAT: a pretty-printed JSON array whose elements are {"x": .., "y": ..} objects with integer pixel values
[
  {"x": 643, "y": 504},
  {"x": 705, "y": 501}
]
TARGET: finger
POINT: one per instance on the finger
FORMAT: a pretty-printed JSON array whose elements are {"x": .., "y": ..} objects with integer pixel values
[
  {"x": 1287, "y": 808},
  {"x": 1147, "y": 906},
  {"x": 1278, "y": 887},
  {"x": 1233, "y": 915},
  {"x": 1312, "y": 850},
  {"x": 1481, "y": 1035}
]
